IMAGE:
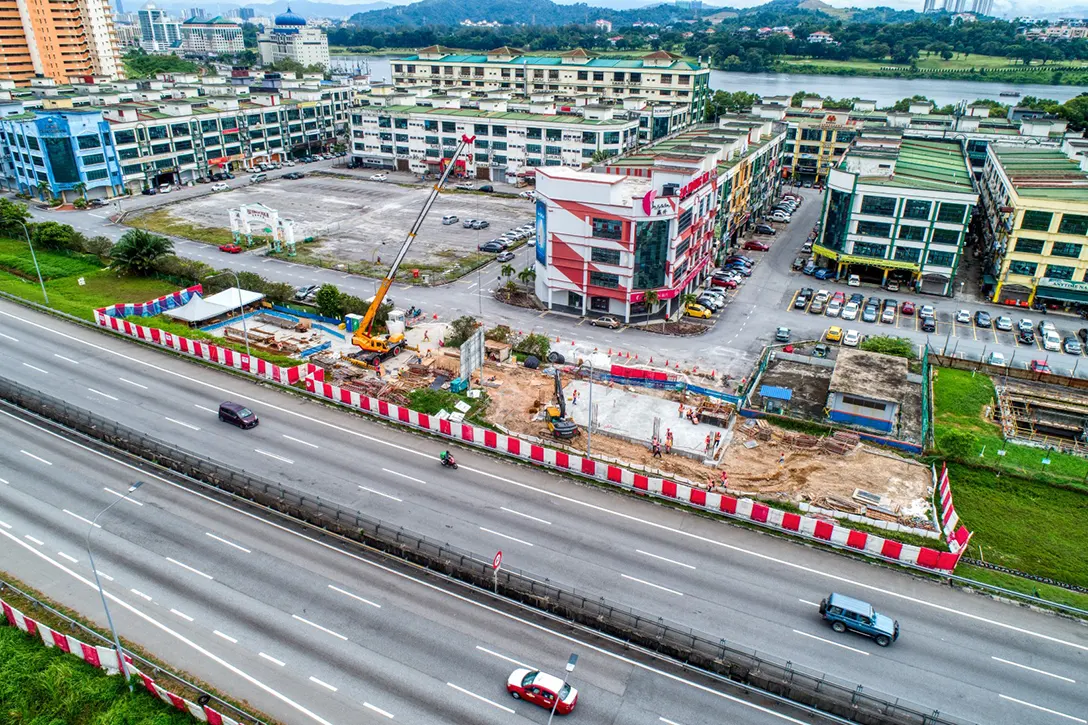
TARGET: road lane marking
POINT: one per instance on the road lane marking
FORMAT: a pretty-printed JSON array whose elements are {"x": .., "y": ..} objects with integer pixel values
[
  {"x": 205, "y": 408},
  {"x": 671, "y": 561},
  {"x": 228, "y": 543},
  {"x": 318, "y": 626},
  {"x": 67, "y": 359},
  {"x": 667, "y": 721},
  {"x": 405, "y": 475},
  {"x": 323, "y": 684},
  {"x": 184, "y": 616},
  {"x": 187, "y": 425},
  {"x": 496, "y": 533},
  {"x": 132, "y": 501},
  {"x": 86, "y": 521},
  {"x": 227, "y": 637},
  {"x": 9, "y": 337},
  {"x": 379, "y": 493},
  {"x": 505, "y": 658},
  {"x": 1043, "y": 709},
  {"x": 806, "y": 634},
  {"x": 518, "y": 513},
  {"x": 1032, "y": 669},
  {"x": 36, "y": 458},
  {"x": 272, "y": 659},
  {"x": 354, "y": 596},
  {"x": 104, "y": 395},
  {"x": 273, "y": 455},
  {"x": 140, "y": 594},
  {"x": 651, "y": 584},
  {"x": 5, "y": 524},
  {"x": 104, "y": 575},
  {"x": 378, "y": 710},
  {"x": 28, "y": 537},
  {"x": 69, "y": 558},
  {"x": 126, "y": 380},
  {"x": 811, "y": 604},
  {"x": 296, "y": 440},
  {"x": 481, "y": 698},
  {"x": 4, "y": 481},
  {"x": 189, "y": 568}
]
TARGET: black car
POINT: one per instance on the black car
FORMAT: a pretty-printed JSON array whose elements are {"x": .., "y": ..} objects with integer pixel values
[
  {"x": 764, "y": 229},
  {"x": 1026, "y": 336},
  {"x": 874, "y": 301},
  {"x": 857, "y": 298},
  {"x": 486, "y": 187},
  {"x": 802, "y": 298},
  {"x": 492, "y": 247},
  {"x": 294, "y": 175},
  {"x": 740, "y": 269},
  {"x": 928, "y": 324},
  {"x": 1082, "y": 333},
  {"x": 982, "y": 319},
  {"x": 237, "y": 414}
]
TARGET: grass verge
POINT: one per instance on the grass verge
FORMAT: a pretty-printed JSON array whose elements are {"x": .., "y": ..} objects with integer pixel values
[
  {"x": 1024, "y": 586},
  {"x": 100, "y": 288},
  {"x": 161, "y": 221}
]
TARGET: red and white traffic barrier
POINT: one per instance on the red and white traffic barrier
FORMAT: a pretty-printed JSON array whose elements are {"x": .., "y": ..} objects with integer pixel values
[
  {"x": 105, "y": 658},
  {"x": 957, "y": 537}
]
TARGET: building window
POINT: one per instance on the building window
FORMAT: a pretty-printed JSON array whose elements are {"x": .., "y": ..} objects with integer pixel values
[
  {"x": 480, "y": 129},
  {"x": 97, "y": 174},
  {"x": 89, "y": 142},
  {"x": 945, "y": 236},
  {"x": 449, "y": 127},
  {"x": 651, "y": 253},
  {"x": 129, "y": 136},
  {"x": 481, "y": 158},
  {"x": 533, "y": 133},
  {"x": 611, "y": 137},
  {"x": 1071, "y": 224},
  {"x": 605, "y": 256},
  {"x": 856, "y": 402},
  {"x": 951, "y": 213},
  {"x": 866, "y": 249},
  {"x": 553, "y": 150},
  {"x": 1038, "y": 221},
  {"x": 1029, "y": 246},
  {"x": 1065, "y": 249},
  {"x": 607, "y": 228},
  {"x": 93, "y": 159},
  {"x": 1056, "y": 271},
  {"x": 532, "y": 148},
  {"x": 874, "y": 229},
  {"x": 915, "y": 209},
  {"x": 589, "y": 138},
  {"x": 811, "y": 134},
  {"x": 912, "y": 234},
  {"x": 908, "y": 254},
  {"x": 553, "y": 134},
  {"x": 878, "y": 206},
  {"x": 603, "y": 279},
  {"x": 498, "y": 130},
  {"x": 940, "y": 259},
  {"x": 1027, "y": 269}
]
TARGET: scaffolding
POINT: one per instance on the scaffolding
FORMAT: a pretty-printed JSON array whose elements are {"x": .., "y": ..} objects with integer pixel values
[{"x": 1045, "y": 415}]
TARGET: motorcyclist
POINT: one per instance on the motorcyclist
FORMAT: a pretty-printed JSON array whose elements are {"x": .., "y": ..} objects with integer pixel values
[{"x": 446, "y": 458}]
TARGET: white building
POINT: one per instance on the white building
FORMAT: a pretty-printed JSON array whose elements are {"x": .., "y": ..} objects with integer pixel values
[
  {"x": 291, "y": 39},
  {"x": 605, "y": 25},
  {"x": 158, "y": 32},
  {"x": 102, "y": 38},
  {"x": 216, "y": 36}
]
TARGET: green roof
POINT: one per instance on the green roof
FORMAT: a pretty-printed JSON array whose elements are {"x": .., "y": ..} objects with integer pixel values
[
  {"x": 539, "y": 60},
  {"x": 1042, "y": 173},
  {"x": 500, "y": 115},
  {"x": 924, "y": 164}
]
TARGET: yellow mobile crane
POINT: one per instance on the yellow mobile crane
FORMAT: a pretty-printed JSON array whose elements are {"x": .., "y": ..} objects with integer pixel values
[{"x": 389, "y": 345}]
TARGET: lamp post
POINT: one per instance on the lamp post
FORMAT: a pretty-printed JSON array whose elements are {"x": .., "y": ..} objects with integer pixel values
[
  {"x": 98, "y": 582},
  {"x": 241, "y": 308},
  {"x": 34, "y": 257},
  {"x": 570, "y": 668}
]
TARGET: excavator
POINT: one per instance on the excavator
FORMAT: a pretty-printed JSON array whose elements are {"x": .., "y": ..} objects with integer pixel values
[
  {"x": 559, "y": 425},
  {"x": 389, "y": 345}
]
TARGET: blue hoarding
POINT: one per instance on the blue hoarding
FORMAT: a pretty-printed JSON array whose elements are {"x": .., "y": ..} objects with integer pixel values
[{"x": 542, "y": 232}]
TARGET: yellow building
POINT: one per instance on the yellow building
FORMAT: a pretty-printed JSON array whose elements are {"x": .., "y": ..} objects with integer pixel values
[
  {"x": 1035, "y": 228},
  {"x": 57, "y": 39}
]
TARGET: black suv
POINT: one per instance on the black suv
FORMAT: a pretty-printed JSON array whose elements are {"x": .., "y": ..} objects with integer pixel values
[
  {"x": 1026, "y": 336},
  {"x": 982, "y": 319}
]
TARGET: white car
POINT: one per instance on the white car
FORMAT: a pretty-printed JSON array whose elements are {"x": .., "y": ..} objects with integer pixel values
[
  {"x": 466, "y": 187},
  {"x": 220, "y": 187},
  {"x": 850, "y": 311},
  {"x": 1003, "y": 323},
  {"x": 165, "y": 189},
  {"x": 528, "y": 195},
  {"x": 834, "y": 308},
  {"x": 851, "y": 338},
  {"x": 780, "y": 217},
  {"x": 379, "y": 177},
  {"x": 963, "y": 317},
  {"x": 853, "y": 281},
  {"x": 1051, "y": 342},
  {"x": 288, "y": 163},
  {"x": 996, "y": 358}
]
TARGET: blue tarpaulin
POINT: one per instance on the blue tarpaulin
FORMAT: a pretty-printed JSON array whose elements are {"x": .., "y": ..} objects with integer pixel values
[{"x": 774, "y": 392}]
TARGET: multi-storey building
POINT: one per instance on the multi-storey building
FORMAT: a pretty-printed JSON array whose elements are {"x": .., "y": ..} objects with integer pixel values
[
  {"x": 1034, "y": 228},
  {"x": 898, "y": 208},
  {"x": 659, "y": 77},
  {"x": 57, "y": 40},
  {"x": 291, "y": 39},
  {"x": 159, "y": 33},
  {"x": 217, "y": 36},
  {"x": 158, "y": 132},
  {"x": 649, "y": 221}
]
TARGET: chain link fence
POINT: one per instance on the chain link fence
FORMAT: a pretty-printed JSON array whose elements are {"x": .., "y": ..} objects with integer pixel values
[{"x": 847, "y": 701}]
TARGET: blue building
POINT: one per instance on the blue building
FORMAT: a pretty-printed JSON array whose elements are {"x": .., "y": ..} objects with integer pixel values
[{"x": 60, "y": 150}]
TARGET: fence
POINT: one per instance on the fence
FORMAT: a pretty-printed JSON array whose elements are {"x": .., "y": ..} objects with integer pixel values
[{"x": 851, "y": 702}]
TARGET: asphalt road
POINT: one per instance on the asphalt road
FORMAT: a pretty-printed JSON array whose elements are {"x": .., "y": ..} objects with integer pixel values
[
  {"x": 958, "y": 653},
  {"x": 305, "y": 632}
]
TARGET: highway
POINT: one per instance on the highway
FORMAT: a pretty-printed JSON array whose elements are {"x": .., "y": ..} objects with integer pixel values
[
  {"x": 306, "y": 633},
  {"x": 958, "y": 653}
]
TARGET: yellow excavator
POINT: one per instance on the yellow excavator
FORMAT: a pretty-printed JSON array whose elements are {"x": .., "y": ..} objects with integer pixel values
[
  {"x": 389, "y": 345},
  {"x": 559, "y": 425}
]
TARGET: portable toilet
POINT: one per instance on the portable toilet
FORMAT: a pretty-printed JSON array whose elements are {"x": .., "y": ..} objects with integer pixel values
[{"x": 352, "y": 321}]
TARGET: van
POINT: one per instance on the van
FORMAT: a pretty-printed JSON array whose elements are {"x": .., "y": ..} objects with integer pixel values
[
  {"x": 449, "y": 219},
  {"x": 237, "y": 414},
  {"x": 257, "y": 178},
  {"x": 848, "y": 613}
]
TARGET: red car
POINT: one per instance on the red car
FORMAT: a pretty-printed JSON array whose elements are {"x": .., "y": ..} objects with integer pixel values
[
  {"x": 723, "y": 282},
  {"x": 541, "y": 688},
  {"x": 839, "y": 297},
  {"x": 1039, "y": 366},
  {"x": 907, "y": 308},
  {"x": 756, "y": 245},
  {"x": 230, "y": 248}
]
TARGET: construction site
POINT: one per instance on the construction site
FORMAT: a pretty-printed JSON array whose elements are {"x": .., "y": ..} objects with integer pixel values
[{"x": 1050, "y": 416}]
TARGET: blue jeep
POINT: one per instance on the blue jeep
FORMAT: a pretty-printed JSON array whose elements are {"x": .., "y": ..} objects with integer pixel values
[{"x": 848, "y": 613}]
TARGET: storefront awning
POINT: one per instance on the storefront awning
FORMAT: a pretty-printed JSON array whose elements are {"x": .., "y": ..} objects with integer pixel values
[
  {"x": 857, "y": 259},
  {"x": 1065, "y": 295}
]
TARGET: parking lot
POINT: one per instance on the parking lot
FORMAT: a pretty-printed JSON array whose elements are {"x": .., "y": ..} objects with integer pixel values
[{"x": 358, "y": 220}]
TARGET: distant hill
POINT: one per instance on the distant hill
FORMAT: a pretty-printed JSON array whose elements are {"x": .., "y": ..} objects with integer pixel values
[{"x": 513, "y": 12}]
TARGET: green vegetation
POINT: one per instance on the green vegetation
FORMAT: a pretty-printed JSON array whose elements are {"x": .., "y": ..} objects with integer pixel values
[
  {"x": 161, "y": 221},
  {"x": 137, "y": 251},
  {"x": 183, "y": 330},
  {"x": 139, "y": 64},
  {"x": 1051, "y": 593},
  {"x": 52, "y": 265},
  {"x": 40, "y": 684},
  {"x": 888, "y": 345}
]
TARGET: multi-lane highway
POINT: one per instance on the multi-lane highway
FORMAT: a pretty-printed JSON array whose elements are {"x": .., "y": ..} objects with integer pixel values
[{"x": 959, "y": 653}]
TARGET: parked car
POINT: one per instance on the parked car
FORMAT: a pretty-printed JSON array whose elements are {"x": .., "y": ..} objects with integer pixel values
[
  {"x": 850, "y": 311},
  {"x": 606, "y": 321},
  {"x": 727, "y": 282},
  {"x": 1026, "y": 336},
  {"x": 505, "y": 257},
  {"x": 1051, "y": 342},
  {"x": 983, "y": 319},
  {"x": 487, "y": 188},
  {"x": 379, "y": 177},
  {"x": 870, "y": 313},
  {"x": 1003, "y": 323},
  {"x": 294, "y": 175},
  {"x": 798, "y": 264},
  {"x": 165, "y": 188},
  {"x": 857, "y": 298},
  {"x": 963, "y": 317},
  {"x": 848, "y": 613},
  {"x": 782, "y": 334},
  {"x": 927, "y": 324},
  {"x": 852, "y": 338},
  {"x": 480, "y": 224},
  {"x": 892, "y": 285},
  {"x": 834, "y": 308},
  {"x": 926, "y": 311},
  {"x": 834, "y": 334},
  {"x": 818, "y": 305},
  {"x": 995, "y": 358},
  {"x": 696, "y": 310},
  {"x": 530, "y": 194},
  {"x": 809, "y": 268},
  {"x": 740, "y": 258},
  {"x": 823, "y": 273},
  {"x": 780, "y": 216},
  {"x": 756, "y": 246},
  {"x": 230, "y": 248},
  {"x": 907, "y": 308},
  {"x": 1046, "y": 326},
  {"x": 1072, "y": 346},
  {"x": 742, "y": 269},
  {"x": 802, "y": 298},
  {"x": 219, "y": 187},
  {"x": 762, "y": 228},
  {"x": 465, "y": 186},
  {"x": 887, "y": 317},
  {"x": 467, "y": 223},
  {"x": 542, "y": 689},
  {"x": 853, "y": 281},
  {"x": 711, "y": 302},
  {"x": 305, "y": 291},
  {"x": 450, "y": 219},
  {"x": 492, "y": 247},
  {"x": 1039, "y": 366},
  {"x": 1082, "y": 333}
]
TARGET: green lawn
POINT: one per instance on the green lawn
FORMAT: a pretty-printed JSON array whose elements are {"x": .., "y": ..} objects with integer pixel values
[
  {"x": 161, "y": 221},
  {"x": 39, "y": 684},
  {"x": 929, "y": 62}
]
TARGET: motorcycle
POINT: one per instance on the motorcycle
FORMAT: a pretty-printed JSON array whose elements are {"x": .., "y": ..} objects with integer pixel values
[{"x": 449, "y": 462}]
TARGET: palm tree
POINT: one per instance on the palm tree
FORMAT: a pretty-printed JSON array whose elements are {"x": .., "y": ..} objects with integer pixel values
[
  {"x": 44, "y": 190},
  {"x": 527, "y": 275},
  {"x": 80, "y": 188},
  {"x": 507, "y": 270},
  {"x": 651, "y": 299},
  {"x": 137, "y": 251},
  {"x": 688, "y": 298}
]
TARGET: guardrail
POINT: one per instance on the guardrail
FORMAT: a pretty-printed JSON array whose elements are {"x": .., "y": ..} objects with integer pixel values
[{"x": 715, "y": 655}]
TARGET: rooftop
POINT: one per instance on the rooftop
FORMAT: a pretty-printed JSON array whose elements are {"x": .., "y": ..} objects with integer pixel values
[
  {"x": 920, "y": 164},
  {"x": 1042, "y": 173},
  {"x": 568, "y": 119},
  {"x": 568, "y": 58},
  {"x": 869, "y": 375}
]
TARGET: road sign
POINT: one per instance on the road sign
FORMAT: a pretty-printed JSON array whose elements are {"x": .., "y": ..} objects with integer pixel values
[{"x": 497, "y": 561}]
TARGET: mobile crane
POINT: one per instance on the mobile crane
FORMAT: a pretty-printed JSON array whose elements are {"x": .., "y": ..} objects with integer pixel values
[{"x": 385, "y": 346}]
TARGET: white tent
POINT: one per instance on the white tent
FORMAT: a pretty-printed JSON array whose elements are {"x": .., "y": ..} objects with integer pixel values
[{"x": 223, "y": 304}]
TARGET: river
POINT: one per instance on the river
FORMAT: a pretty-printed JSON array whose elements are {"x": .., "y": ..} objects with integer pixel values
[{"x": 884, "y": 91}]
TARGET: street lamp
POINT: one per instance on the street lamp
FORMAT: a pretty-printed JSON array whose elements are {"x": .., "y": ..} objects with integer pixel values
[
  {"x": 241, "y": 307},
  {"x": 35, "y": 258},
  {"x": 98, "y": 582},
  {"x": 570, "y": 668}
]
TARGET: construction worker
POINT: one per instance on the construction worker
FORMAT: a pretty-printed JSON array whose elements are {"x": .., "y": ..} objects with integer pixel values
[
  {"x": 707, "y": 444},
  {"x": 680, "y": 411},
  {"x": 725, "y": 480},
  {"x": 668, "y": 440}
]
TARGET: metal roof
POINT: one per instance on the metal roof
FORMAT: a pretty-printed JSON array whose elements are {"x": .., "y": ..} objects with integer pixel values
[{"x": 775, "y": 392}]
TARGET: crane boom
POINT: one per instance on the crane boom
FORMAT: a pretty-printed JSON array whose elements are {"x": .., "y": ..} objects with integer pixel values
[{"x": 387, "y": 282}]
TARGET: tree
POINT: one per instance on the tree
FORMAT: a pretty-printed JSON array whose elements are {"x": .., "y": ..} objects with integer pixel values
[
  {"x": 460, "y": 330},
  {"x": 689, "y": 298},
  {"x": 507, "y": 270},
  {"x": 601, "y": 155},
  {"x": 329, "y": 301},
  {"x": 138, "y": 250},
  {"x": 957, "y": 443},
  {"x": 1075, "y": 111},
  {"x": 12, "y": 216},
  {"x": 45, "y": 191},
  {"x": 99, "y": 246},
  {"x": 52, "y": 235},
  {"x": 650, "y": 299},
  {"x": 80, "y": 188},
  {"x": 527, "y": 275},
  {"x": 140, "y": 64}
]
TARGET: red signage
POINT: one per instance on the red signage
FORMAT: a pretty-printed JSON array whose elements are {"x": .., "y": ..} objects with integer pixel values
[
  {"x": 647, "y": 201},
  {"x": 692, "y": 186},
  {"x": 497, "y": 560}
]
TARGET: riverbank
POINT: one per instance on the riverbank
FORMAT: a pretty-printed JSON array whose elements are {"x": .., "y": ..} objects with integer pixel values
[{"x": 1070, "y": 74}]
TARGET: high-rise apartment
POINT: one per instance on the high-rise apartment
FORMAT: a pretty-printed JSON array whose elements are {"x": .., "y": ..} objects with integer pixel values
[
  {"x": 159, "y": 33},
  {"x": 57, "y": 39}
]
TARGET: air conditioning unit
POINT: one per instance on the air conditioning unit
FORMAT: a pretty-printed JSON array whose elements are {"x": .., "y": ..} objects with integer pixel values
[{"x": 670, "y": 190}]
